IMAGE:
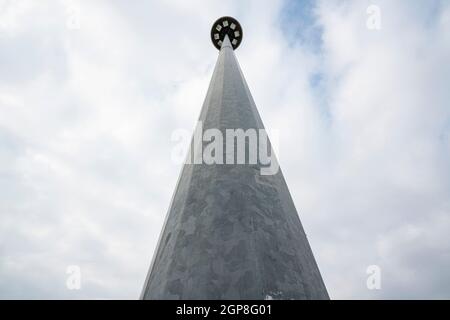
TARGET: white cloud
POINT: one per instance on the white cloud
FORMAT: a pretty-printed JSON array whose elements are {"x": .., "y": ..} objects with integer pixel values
[{"x": 87, "y": 115}]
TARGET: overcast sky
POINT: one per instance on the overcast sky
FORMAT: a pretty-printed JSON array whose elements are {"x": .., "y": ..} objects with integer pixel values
[{"x": 90, "y": 92}]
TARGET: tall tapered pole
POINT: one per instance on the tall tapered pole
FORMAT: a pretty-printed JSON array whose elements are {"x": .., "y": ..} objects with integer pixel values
[{"x": 231, "y": 231}]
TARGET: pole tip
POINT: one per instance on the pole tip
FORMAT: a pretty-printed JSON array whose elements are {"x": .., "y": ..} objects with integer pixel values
[{"x": 226, "y": 26}]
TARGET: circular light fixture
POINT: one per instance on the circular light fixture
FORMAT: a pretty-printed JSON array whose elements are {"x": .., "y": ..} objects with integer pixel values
[{"x": 226, "y": 26}]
